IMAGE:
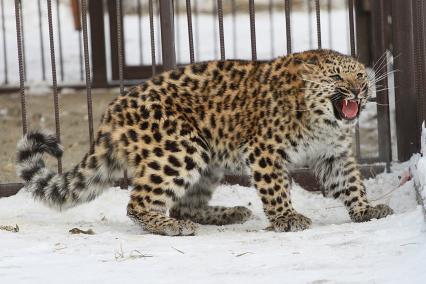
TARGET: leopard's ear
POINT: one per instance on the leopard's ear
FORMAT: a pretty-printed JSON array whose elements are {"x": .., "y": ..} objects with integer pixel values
[
  {"x": 312, "y": 60},
  {"x": 298, "y": 61},
  {"x": 309, "y": 64},
  {"x": 307, "y": 60}
]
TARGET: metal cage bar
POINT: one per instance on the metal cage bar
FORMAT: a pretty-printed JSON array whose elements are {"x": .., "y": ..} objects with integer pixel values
[
  {"x": 152, "y": 35},
  {"x": 87, "y": 73},
  {"x": 221, "y": 32},
  {"x": 214, "y": 28},
  {"x": 176, "y": 9},
  {"x": 309, "y": 8},
  {"x": 190, "y": 32},
  {"x": 54, "y": 81},
  {"x": 167, "y": 34},
  {"x": 21, "y": 8},
  {"x": 252, "y": 30},
  {"x": 287, "y": 7},
  {"x": 380, "y": 48},
  {"x": 318, "y": 18},
  {"x": 21, "y": 59},
  {"x": 353, "y": 54}
]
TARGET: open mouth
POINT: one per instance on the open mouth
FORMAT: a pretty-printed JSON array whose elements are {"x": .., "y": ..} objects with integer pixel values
[{"x": 346, "y": 109}]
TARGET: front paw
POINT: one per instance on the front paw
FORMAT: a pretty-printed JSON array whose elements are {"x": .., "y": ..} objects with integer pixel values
[
  {"x": 292, "y": 222},
  {"x": 371, "y": 212}
]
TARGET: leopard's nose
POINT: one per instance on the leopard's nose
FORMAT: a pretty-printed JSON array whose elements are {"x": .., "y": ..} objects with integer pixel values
[{"x": 356, "y": 91}]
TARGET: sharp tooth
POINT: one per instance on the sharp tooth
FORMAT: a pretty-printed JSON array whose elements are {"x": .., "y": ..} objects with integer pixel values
[{"x": 346, "y": 102}]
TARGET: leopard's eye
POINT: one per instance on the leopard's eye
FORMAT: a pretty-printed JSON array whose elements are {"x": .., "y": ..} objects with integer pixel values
[
  {"x": 359, "y": 75},
  {"x": 336, "y": 77}
]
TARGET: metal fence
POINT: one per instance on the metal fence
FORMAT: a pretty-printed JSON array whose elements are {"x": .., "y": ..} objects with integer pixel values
[{"x": 369, "y": 34}]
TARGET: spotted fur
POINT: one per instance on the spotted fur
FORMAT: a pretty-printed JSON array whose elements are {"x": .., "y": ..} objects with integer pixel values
[{"x": 178, "y": 132}]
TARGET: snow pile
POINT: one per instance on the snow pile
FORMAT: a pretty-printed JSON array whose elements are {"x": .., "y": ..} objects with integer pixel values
[
  {"x": 335, "y": 250},
  {"x": 418, "y": 167}
]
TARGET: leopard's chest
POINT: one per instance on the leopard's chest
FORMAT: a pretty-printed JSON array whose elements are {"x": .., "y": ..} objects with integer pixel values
[{"x": 305, "y": 149}]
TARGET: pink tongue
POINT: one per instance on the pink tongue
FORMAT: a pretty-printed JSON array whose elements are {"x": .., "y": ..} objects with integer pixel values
[{"x": 350, "y": 110}]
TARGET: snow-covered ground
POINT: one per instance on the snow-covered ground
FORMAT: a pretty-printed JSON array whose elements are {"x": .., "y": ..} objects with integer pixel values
[{"x": 335, "y": 250}]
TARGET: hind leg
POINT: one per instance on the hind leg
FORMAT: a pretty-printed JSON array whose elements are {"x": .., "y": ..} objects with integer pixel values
[
  {"x": 194, "y": 204},
  {"x": 153, "y": 194},
  {"x": 161, "y": 176}
]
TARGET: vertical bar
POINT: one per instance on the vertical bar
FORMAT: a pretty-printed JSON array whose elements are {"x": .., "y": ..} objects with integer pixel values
[
  {"x": 197, "y": 30},
  {"x": 177, "y": 28},
  {"x": 61, "y": 58},
  {"x": 234, "y": 27},
  {"x": 402, "y": 33},
  {"x": 311, "y": 44},
  {"x": 97, "y": 40},
  {"x": 352, "y": 27},
  {"x": 214, "y": 12},
  {"x": 363, "y": 33},
  {"x": 167, "y": 34},
  {"x": 3, "y": 27},
  {"x": 119, "y": 45},
  {"x": 125, "y": 182},
  {"x": 54, "y": 82},
  {"x": 18, "y": 11},
  {"x": 271, "y": 27},
  {"x": 80, "y": 54},
  {"x": 40, "y": 28},
  {"x": 379, "y": 21},
  {"x": 330, "y": 30},
  {"x": 420, "y": 55},
  {"x": 152, "y": 35},
  {"x": 23, "y": 39},
  {"x": 87, "y": 69},
  {"x": 252, "y": 30},
  {"x": 221, "y": 35},
  {"x": 190, "y": 34},
  {"x": 112, "y": 10},
  {"x": 318, "y": 16},
  {"x": 139, "y": 8},
  {"x": 159, "y": 39},
  {"x": 353, "y": 54},
  {"x": 287, "y": 6}
]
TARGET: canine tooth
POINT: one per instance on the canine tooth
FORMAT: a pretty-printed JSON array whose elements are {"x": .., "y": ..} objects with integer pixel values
[{"x": 346, "y": 102}]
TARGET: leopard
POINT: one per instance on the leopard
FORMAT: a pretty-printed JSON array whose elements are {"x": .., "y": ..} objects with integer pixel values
[{"x": 179, "y": 132}]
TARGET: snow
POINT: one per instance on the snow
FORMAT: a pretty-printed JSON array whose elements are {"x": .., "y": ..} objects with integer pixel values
[
  {"x": 334, "y": 250},
  {"x": 418, "y": 167}
]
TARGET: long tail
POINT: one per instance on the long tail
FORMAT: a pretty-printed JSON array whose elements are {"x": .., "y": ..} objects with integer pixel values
[{"x": 81, "y": 184}]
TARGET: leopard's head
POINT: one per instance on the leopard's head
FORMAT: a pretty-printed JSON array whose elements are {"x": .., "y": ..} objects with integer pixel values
[{"x": 336, "y": 84}]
